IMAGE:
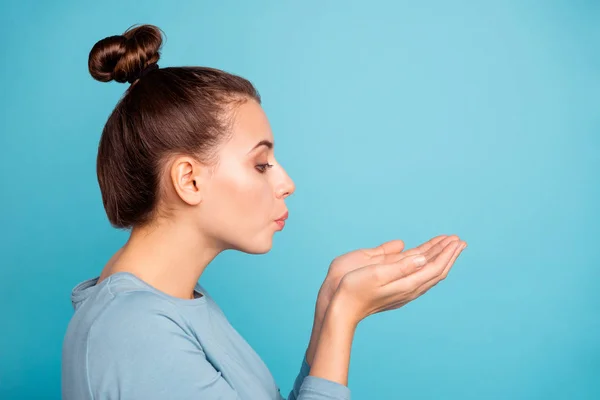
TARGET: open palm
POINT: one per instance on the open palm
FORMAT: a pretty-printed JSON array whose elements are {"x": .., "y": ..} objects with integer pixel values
[{"x": 385, "y": 253}]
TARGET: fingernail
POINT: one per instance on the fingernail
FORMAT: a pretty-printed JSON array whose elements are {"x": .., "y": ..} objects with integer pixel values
[{"x": 419, "y": 261}]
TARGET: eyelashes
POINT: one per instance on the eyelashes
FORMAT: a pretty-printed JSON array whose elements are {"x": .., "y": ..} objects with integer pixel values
[{"x": 262, "y": 168}]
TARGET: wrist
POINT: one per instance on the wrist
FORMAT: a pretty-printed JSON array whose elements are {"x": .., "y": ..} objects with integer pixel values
[
  {"x": 332, "y": 356},
  {"x": 321, "y": 305},
  {"x": 342, "y": 311},
  {"x": 324, "y": 297},
  {"x": 329, "y": 286}
]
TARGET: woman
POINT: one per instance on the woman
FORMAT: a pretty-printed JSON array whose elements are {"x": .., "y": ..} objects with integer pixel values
[{"x": 186, "y": 162}]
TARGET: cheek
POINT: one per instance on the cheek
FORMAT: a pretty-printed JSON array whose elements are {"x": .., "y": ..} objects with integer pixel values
[{"x": 243, "y": 197}]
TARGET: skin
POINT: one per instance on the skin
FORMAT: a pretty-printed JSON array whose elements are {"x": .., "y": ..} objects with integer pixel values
[
  {"x": 234, "y": 205},
  {"x": 230, "y": 205},
  {"x": 375, "y": 288}
]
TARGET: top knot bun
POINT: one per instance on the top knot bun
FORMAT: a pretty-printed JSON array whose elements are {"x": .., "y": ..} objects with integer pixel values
[{"x": 123, "y": 57}]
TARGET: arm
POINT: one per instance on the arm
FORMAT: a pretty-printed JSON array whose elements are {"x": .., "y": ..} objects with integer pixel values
[
  {"x": 385, "y": 253},
  {"x": 323, "y": 300},
  {"x": 332, "y": 355},
  {"x": 364, "y": 272},
  {"x": 143, "y": 352},
  {"x": 331, "y": 341}
]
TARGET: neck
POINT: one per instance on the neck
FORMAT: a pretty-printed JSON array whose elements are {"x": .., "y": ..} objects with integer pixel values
[{"x": 168, "y": 256}]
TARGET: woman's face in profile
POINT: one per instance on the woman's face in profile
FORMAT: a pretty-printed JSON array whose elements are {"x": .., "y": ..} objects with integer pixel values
[{"x": 246, "y": 193}]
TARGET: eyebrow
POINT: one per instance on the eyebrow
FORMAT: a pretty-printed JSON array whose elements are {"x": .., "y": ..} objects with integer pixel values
[{"x": 265, "y": 142}]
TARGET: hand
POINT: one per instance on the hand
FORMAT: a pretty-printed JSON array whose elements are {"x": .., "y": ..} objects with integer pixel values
[
  {"x": 388, "y": 252},
  {"x": 385, "y": 253},
  {"x": 386, "y": 286}
]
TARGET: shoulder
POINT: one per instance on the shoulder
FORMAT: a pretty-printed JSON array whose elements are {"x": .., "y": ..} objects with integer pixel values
[
  {"x": 142, "y": 347},
  {"x": 134, "y": 320}
]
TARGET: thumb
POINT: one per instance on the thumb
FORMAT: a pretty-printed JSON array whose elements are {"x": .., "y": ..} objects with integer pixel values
[{"x": 385, "y": 249}]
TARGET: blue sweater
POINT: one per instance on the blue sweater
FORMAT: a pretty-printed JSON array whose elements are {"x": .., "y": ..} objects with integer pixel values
[{"x": 127, "y": 340}]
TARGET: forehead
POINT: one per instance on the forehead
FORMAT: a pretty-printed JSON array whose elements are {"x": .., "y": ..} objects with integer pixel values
[{"x": 250, "y": 126}]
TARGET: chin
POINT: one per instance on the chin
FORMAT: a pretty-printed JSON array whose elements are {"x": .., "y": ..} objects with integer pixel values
[{"x": 257, "y": 247}]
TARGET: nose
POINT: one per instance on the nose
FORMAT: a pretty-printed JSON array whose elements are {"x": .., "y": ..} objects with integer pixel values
[{"x": 286, "y": 187}]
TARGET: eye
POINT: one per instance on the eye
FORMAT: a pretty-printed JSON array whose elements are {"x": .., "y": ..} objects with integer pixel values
[{"x": 262, "y": 168}]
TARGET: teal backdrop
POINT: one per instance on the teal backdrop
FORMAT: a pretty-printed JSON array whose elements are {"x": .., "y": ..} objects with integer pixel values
[{"x": 396, "y": 119}]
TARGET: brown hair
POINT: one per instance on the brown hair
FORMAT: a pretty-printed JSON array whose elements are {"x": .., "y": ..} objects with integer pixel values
[{"x": 168, "y": 111}]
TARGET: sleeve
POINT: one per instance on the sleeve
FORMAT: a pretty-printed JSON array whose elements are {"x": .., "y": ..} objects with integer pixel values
[
  {"x": 307, "y": 387},
  {"x": 142, "y": 352}
]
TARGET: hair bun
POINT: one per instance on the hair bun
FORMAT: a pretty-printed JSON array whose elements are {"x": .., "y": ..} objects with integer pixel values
[{"x": 123, "y": 57}]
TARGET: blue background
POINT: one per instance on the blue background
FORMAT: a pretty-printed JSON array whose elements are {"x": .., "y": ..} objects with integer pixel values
[{"x": 396, "y": 120}]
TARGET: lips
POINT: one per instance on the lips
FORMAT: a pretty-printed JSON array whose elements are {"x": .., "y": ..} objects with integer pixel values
[{"x": 283, "y": 217}]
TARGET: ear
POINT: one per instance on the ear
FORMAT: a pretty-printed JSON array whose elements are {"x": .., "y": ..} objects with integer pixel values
[{"x": 186, "y": 177}]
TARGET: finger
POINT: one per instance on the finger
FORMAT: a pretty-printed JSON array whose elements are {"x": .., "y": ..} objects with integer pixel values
[
  {"x": 434, "y": 281},
  {"x": 404, "y": 268},
  {"x": 387, "y": 248},
  {"x": 386, "y": 273},
  {"x": 422, "y": 275},
  {"x": 391, "y": 258},
  {"x": 428, "y": 285},
  {"x": 433, "y": 252},
  {"x": 434, "y": 247},
  {"x": 430, "y": 243}
]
